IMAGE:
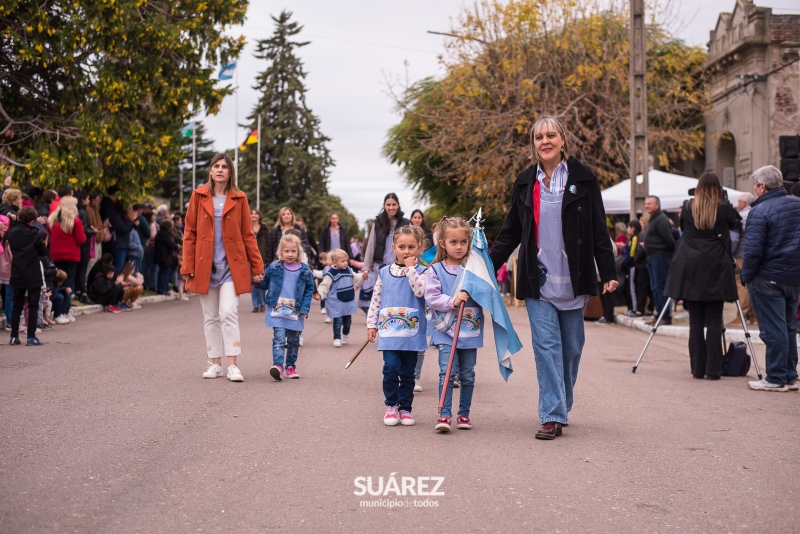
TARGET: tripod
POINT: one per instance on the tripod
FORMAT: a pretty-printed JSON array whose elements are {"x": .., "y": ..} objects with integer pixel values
[{"x": 744, "y": 326}]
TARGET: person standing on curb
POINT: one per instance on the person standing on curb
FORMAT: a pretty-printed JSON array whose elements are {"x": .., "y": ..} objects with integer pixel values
[
  {"x": 660, "y": 245},
  {"x": 220, "y": 259},
  {"x": 771, "y": 272}
]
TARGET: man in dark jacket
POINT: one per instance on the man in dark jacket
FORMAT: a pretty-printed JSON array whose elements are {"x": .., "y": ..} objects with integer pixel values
[
  {"x": 26, "y": 272},
  {"x": 660, "y": 244},
  {"x": 771, "y": 271}
]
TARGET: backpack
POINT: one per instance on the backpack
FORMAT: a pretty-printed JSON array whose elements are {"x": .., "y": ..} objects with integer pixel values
[{"x": 736, "y": 362}]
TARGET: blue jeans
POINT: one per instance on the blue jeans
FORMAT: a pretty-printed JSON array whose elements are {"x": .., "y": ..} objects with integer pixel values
[
  {"x": 341, "y": 325},
  {"x": 8, "y": 302},
  {"x": 398, "y": 378},
  {"x": 149, "y": 268},
  {"x": 421, "y": 360},
  {"x": 658, "y": 269},
  {"x": 280, "y": 337},
  {"x": 120, "y": 255},
  {"x": 775, "y": 306},
  {"x": 259, "y": 297},
  {"x": 70, "y": 268},
  {"x": 61, "y": 302},
  {"x": 164, "y": 275},
  {"x": 464, "y": 366},
  {"x": 558, "y": 338}
]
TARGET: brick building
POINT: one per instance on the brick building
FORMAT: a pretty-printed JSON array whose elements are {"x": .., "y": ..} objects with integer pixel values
[{"x": 754, "y": 79}]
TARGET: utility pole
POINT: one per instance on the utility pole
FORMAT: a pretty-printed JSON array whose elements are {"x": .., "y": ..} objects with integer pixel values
[{"x": 638, "y": 121}]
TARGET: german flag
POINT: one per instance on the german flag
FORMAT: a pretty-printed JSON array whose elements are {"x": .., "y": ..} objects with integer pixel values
[{"x": 251, "y": 140}]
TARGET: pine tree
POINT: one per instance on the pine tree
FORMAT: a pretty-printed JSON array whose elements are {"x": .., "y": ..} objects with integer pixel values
[{"x": 295, "y": 160}]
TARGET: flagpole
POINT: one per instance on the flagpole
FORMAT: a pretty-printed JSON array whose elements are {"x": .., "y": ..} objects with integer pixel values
[
  {"x": 194, "y": 160},
  {"x": 258, "y": 167},
  {"x": 236, "y": 130},
  {"x": 180, "y": 186}
]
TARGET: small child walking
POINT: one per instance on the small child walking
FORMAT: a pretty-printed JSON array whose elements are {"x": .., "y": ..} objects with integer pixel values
[
  {"x": 289, "y": 285},
  {"x": 338, "y": 285},
  {"x": 319, "y": 274},
  {"x": 396, "y": 319},
  {"x": 455, "y": 242}
]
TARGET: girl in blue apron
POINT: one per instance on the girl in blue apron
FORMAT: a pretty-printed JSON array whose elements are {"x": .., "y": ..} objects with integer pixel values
[
  {"x": 338, "y": 288},
  {"x": 455, "y": 242},
  {"x": 289, "y": 285},
  {"x": 396, "y": 319}
]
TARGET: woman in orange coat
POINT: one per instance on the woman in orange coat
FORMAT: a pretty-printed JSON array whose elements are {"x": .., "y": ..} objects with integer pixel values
[{"x": 220, "y": 259}]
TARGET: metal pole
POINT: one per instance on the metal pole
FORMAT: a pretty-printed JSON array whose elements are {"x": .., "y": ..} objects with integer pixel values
[
  {"x": 194, "y": 158},
  {"x": 180, "y": 186},
  {"x": 638, "y": 122},
  {"x": 236, "y": 133},
  {"x": 258, "y": 167}
]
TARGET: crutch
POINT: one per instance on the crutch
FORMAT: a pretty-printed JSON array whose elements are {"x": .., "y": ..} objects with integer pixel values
[
  {"x": 357, "y": 354},
  {"x": 653, "y": 332},
  {"x": 452, "y": 357}
]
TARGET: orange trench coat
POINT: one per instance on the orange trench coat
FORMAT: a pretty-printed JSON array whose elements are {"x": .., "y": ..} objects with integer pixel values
[{"x": 241, "y": 249}]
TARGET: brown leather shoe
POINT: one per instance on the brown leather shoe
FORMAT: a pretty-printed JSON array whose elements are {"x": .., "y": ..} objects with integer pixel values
[
  {"x": 549, "y": 430},
  {"x": 712, "y": 377}
]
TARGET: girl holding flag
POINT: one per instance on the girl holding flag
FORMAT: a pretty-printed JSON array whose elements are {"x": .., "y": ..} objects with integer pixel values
[
  {"x": 557, "y": 217},
  {"x": 455, "y": 242}
]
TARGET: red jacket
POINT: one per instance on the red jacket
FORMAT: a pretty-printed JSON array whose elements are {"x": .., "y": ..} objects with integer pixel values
[{"x": 67, "y": 247}]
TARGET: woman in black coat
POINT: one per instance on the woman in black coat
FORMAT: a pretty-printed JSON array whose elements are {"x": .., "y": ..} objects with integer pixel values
[
  {"x": 286, "y": 221},
  {"x": 702, "y": 272},
  {"x": 557, "y": 217},
  {"x": 330, "y": 234}
]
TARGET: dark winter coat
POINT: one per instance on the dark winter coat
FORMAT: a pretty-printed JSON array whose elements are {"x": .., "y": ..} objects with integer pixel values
[
  {"x": 583, "y": 220},
  {"x": 381, "y": 229},
  {"x": 658, "y": 238},
  {"x": 166, "y": 249},
  {"x": 274, "y": 239},
  {"x": 261, "y": 241},
  {"x": 325, "y": 240},
  {"x": 121, "y": 228},
  {"x": 772, "y": 241},
  {"x": 702, "y": 268},
  {"x": 26, "y": 248}
]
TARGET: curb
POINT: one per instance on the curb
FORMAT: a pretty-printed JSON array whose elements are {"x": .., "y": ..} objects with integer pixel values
[
  {"x": 731, "y": 334},
  {"x": 97, "y": 308}
]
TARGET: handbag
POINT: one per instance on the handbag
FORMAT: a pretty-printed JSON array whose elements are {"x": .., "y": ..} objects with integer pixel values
[{"x": 107, "y": 235}]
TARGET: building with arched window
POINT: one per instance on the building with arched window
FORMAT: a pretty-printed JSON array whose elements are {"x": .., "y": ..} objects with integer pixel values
[{"x": 753, "y": 69}]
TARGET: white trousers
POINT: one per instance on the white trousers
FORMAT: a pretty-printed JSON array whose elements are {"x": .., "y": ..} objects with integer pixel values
[{"x": 221, "y": 321}]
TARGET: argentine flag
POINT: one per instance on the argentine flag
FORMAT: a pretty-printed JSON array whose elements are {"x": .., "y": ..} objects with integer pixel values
[
  {"x": 477, "y": 279},
  {"x": 226, "y": 72}
]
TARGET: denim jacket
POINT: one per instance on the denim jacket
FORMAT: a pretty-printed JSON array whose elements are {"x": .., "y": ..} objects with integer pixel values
[{"x": 273, "y": 281}]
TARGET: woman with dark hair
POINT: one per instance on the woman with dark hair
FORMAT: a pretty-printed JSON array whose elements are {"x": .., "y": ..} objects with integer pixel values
[
  {"x": 90, "y": 231},
  {"x": 220, "y": 261},
  {"x": 418, "y": 219},
  {"x": 557, "y": 217},
  {"x": 334, "y": 236},
  {"x": 120, "y": 224},
  {"x": 702, "y": 272}
]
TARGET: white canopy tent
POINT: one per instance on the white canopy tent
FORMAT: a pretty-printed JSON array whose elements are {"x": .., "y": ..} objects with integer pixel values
[{"x": 671, "y": 189}]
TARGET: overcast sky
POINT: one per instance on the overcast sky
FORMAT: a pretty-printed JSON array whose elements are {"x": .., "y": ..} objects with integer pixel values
[{"x": 357, "y": 48}]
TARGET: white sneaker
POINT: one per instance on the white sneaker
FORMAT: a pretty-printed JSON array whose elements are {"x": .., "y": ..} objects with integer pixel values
[
  {"x": 328, "y": 320},
  {"x": 184, "y": 298},
  {"x": 344, "y": 339},
  {"x": 214, "y": 371},
  {"x": 337, "y": 343},
  {"x": 763, "y": 385},
  {"x": 62, "y": 319},
  {"x": 793, "y": 386},
  {"x": 71, "y": 315},
  {"x": 323, "y": 311},
  {"x": 301, "y": 340},
  {"x": 234, "y": 374},
  {"x": 135, "y": 306},
  {"x": 417, "y": 386}
]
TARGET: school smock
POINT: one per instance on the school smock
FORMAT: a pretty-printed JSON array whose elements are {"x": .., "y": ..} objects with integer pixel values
[
  {"x": 286, "y": 312},
  {"x": 401, "y": 319},
  {"x": 441, "y": 278},
  {"x": 341, "y": 297}
]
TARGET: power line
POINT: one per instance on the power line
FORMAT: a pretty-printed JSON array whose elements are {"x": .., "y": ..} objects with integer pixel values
[{"x": 749, "y": 79}]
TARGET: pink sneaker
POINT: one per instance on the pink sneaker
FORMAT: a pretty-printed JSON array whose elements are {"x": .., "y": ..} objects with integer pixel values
[
  {"x": 406, "y": 419},
  {"x": 275, "y": 372},
  {"x": 443, "y": 424},
  {"x": 391, "y": 418},
  {"x": 463, "y": 422},
  {"x": 291, "y": 373}
]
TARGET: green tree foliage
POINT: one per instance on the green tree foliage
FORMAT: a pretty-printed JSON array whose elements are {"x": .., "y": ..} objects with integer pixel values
[
  {"x": 94, "y": 93},
  {"x": 463, "y": 139},
  {"x": 169, "y": 185},
  {"x": 295, "y": 161}
]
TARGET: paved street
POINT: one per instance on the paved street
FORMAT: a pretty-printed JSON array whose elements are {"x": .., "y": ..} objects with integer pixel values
[{"x": 110, "y": 428}]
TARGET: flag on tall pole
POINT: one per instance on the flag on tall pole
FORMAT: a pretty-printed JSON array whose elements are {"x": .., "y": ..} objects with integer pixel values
[
  {"x": 188, "y": 130},
  {"x": 258, "y": 166},
  {"x": 477, "y": 278},
  {"x": 252, "y": 138},
  {"x": 226, "y": 72}
]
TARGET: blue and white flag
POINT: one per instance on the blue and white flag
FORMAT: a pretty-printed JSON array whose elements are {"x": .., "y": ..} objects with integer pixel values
[
  {"x": 477, "y": 279},
  {"x": 226, "y": 72}
]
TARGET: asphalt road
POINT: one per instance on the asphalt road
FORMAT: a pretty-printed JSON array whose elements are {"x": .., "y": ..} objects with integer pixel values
[{"x": 110, "y": 428}]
